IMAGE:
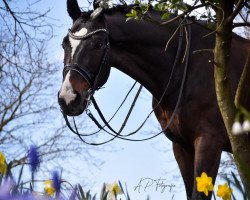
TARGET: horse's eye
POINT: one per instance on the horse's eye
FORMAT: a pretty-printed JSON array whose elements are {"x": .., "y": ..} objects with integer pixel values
[{"x": 98, "y": 45}]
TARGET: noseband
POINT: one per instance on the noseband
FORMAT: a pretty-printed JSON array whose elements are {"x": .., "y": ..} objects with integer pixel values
[{"x": 89, "y": 77}]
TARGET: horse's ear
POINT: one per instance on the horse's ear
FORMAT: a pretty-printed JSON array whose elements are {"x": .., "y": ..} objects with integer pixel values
[
  {"x": 73, "y": 9},
  {"x": 95, "y": 4},
  {"x": 97, "y": 9}
]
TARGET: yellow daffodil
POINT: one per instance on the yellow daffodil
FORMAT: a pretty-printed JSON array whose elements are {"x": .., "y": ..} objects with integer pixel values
[
  {"x": 113, "y": 190},
  {"x": 3, "y": 166},
  {"x": 224, "y": 192},
  {"x": 49, "y": 189},
  {"x": 204, "y": 183}
]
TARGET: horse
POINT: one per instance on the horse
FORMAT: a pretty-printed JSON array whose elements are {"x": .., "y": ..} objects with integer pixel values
[{"x": 138, "y": 48}]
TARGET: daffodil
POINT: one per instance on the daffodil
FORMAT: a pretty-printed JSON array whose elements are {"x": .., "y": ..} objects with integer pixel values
[
  {"x": 3, "y": 166},
  {"x": 113, "y": 190},
  {"x": 204, "y": 183},
  {"x": 224, "y": 192},
  {"x": 49, "y": 189}
]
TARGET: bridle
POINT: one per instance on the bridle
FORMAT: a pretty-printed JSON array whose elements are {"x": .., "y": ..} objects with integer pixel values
[
  {"x": 118, "y": 134},
  {"x": 89, "y": 77}
]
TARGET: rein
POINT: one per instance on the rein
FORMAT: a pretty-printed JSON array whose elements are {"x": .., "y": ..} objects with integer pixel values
[
  {"x": 97, "y": 123},
  {"x": 177, "y": 57},
  {"x": 115, "y": 134}
]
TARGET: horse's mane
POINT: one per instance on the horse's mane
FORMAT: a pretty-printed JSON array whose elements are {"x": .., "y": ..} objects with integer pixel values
[
  {"x": 127, "y": 8},
  {"x": 118, "y": 8}
]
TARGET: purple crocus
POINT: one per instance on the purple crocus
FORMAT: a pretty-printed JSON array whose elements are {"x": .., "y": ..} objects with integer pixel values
[
  {"x": 27, "y": 196},
  {"x": 33, "y": 158},
  {"x": 6, "y": 188},
  {"x": 73, "y": 194},
  {"x": 56, "y": 182}
]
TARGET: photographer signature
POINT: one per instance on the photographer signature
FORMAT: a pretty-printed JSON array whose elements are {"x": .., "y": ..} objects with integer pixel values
[{"x": 157, "y": 184}]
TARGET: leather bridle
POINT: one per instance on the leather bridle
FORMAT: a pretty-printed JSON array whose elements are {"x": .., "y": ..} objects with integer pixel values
[{"x": 89, "y": 77}]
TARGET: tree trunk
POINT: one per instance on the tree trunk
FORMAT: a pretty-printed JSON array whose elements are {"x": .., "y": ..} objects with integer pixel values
[{"x": 240, "y": 143}]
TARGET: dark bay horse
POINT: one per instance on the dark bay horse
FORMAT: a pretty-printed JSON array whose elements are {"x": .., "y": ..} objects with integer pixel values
[{"x": 137, "y": 48}]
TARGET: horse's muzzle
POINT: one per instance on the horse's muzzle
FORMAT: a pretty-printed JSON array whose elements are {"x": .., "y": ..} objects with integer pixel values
[{"x": 74, "y": 108}]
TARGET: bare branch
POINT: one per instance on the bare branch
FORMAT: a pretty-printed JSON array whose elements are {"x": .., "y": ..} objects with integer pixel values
[
  {"x": 237, "y": 9},
  {"x": 189, "y": 10},
  {"x": 235, "y": 25}
]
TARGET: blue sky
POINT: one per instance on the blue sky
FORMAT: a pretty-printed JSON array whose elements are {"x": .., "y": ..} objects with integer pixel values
[{"x": 130, "y": 161}]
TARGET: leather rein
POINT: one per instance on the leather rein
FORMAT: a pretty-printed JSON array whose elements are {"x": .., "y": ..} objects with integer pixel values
[{"x": 94, "y": 80}]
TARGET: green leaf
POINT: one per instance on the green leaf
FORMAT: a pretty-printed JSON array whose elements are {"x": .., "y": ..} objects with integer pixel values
[
  {"x": 238, "y": 185},
  {"x": 165, "y": 16},
  {"x": 31, "y": 188},
  {"x": 175, "y": 1},
  {"x": 120, "y": 184},
  {"x": 81, "y": 191},
  {"x": 105, "y": 196},
  {"x": 144, "y": 8},
  {"x": 102, "y": 191},
  {"x": 156, "y": 7},
  {"x": 127, "y": 195},
  {"x": 129, "y": 15},
  {"x": 164, "y": 6},
  {"x": 132, "y": 15},
  {"x": 88, "y": 196},
  {"x": 20, "y": 175}
]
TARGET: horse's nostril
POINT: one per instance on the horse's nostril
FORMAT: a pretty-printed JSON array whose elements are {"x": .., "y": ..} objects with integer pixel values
[
  {"x": 61, "y": 101},
  {"x": 67, "y": 96},
  {"x": 70, "y": 103}
]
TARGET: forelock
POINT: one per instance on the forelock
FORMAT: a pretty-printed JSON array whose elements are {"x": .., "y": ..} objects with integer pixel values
[{"x": 86, "y": 15}]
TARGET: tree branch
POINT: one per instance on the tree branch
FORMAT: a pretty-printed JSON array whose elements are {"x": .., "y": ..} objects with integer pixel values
[
  {"x": 18, "y": 102},
  {"x": 189, "y": 10},
  {"x": 235, "y": 25},
  {"x": 242, "y": 94},
  {"x": 238, "y": 7}
]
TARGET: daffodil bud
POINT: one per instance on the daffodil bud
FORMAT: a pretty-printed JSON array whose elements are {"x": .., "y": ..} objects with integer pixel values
[
  {"x": 113, "y": 190},
  {"x": 49, "y": 189},
  {"x": 237, "y": 128},
  {"x": 246, "y": 126},
  {"x": 3, "y": 166}
]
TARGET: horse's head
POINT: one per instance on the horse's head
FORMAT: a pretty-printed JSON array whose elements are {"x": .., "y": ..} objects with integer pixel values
[{"x": 85, "y": 60}]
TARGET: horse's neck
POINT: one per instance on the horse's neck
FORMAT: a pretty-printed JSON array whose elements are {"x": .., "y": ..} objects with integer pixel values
[{"x": 137, "y": 49}]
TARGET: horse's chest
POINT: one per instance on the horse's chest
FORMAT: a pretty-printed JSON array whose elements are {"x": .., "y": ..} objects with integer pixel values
[{"x": 164, "y": 117}]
